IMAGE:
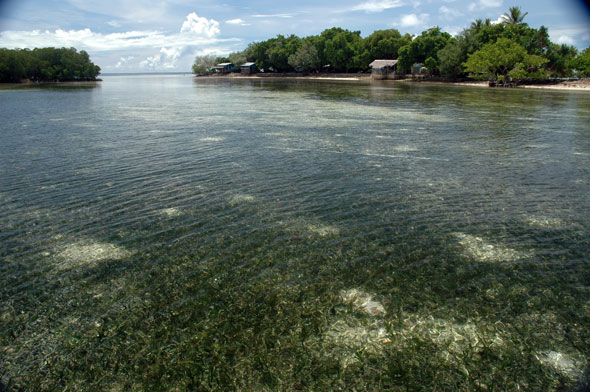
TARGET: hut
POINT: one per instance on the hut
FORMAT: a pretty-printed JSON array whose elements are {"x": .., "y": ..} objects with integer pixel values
[
  {"x": 224, "y": 68},
  {"x": 248, "y": 68},
  {"x": 384, "y": 69}
]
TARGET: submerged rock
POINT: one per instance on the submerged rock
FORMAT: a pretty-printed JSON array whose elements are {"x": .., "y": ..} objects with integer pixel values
[
  {"x": 567, "y": 365},
  {"x": 363, "y": 301},
  {"x": 484, "y": 251},
  {"x": 88, "y": 253},
  {"x": 170, "y": 212},
  {"x": 241, "y": 198}
]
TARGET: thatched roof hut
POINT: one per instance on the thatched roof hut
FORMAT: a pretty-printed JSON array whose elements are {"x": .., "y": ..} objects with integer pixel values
[{"x": 383, "y": 69}]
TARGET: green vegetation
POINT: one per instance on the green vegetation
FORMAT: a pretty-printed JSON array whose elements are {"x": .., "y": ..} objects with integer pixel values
[
  {"x": 531, "y": 54},
  {"x": 203, "y": 64},
  {"x": 248, "y": 316},
  {"x": 46, "y": 64},
  {"x": 503, "y": 61},
  {"x": 582, "y": 63}
]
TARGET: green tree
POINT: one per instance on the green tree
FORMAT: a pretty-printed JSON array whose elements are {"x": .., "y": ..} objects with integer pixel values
[
  {"x": 504, "y": 61},
  {"x": 559, "y": 59},
  {"x": 514, "y": 16},
  {"x": 203, "y": 64},
  {"x": 385, "y": 44},
  {"x": 581, "y": 63},
  {"x": 344, "y": 50},
  {"x": 221, "y": 59},
  {"x": 280, "y": 49},
  {"x": 46, "y": 64},
  {"x": 306, "y": 58},
  {"x": 422, "y": 47}
]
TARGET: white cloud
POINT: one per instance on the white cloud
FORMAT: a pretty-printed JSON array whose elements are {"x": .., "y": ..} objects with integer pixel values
[
  {"x": 114, "y": 23},
  {"x": 377, "y": 5},
  {"x": 565, "y": 39},
  {"x": 195, "y": 31},
  {"x": 413, "y": 20},
  {"x": 123, "y": 61},
  {"x": 453, "y": 30},
  {"x": 160, "y": 50},
  {"x": 235, "y": 21},
  {"x": 449, "y": 13},
  {"x": 200, "y": 26},
  {"x": 481, "y": 4},
  {"x": 498, "y": 21},
  {"x": 165, "y": 60},
  {"x": 97, "y": 42}
]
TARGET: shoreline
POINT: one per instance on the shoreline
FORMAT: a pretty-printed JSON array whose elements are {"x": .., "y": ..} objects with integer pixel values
[
  {"x": 26, "y": 82},
  {"x": 570, "y": 85}
]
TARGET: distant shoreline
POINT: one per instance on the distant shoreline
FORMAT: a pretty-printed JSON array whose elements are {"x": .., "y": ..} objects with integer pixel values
[
  {"x": 578, "y": 85},
  {"x": 39, "y": 82}
]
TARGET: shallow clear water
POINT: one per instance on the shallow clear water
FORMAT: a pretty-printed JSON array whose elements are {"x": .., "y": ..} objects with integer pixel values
[{"x": 139, "y": 172}]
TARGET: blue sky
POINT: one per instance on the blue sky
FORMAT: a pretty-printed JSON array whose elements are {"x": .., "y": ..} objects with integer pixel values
[{"x": 165, "y": 36}]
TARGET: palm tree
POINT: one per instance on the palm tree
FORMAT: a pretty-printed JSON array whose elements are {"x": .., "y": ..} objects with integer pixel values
[
  {"x": 514, "y": 16},
  {"x": 477, "y": 24}
]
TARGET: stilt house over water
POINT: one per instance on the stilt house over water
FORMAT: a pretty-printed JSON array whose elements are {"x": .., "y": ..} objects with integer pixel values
[{"x": 384, "y": 69}]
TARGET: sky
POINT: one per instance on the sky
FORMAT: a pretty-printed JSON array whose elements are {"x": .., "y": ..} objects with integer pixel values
[{"x": 165, "y": 36}]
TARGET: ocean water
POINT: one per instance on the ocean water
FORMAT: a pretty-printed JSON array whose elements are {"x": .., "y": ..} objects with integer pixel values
[{"x": 169, "y": 232}]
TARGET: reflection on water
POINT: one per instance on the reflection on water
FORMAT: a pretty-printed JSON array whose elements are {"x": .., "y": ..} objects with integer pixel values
[{"x": 154, "y": 227}]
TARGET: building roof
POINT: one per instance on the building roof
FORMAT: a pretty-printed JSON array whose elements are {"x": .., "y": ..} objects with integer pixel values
[
  {"x": 383, "y": 63},
  {"x": 247, "y": 64},
  {"x": 223, "y": 64}
]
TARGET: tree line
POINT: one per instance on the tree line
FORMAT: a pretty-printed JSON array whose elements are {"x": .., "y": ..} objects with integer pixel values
[
  {"x": 46, "y": 64},
  {"x": 485, "y": 50}
]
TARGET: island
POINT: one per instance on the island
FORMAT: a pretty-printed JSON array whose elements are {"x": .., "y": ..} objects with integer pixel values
[
  {"x": 46, "y": 65},
  {"x": 505, "y": 53}
]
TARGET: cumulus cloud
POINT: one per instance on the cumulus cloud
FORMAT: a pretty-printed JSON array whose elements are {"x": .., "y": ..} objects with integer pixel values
[
  {"x": 124, "y": 50},
  {"x": 481, "y": 4},
  {"x": 413, "y": 20},
  {"x": 201, "y": 26},
  {"x": 165, "y": 60},
  {"x": 571, "y": 34},
  {"x": 124, "y": 61},
  {"x": 194, "y": 31},
  {"x": 377, "y": 5}
]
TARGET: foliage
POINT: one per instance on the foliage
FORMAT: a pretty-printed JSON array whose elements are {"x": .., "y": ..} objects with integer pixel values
[
  {"x": 346, "y": 51},
  {"x": 504, "y": 61},
  {"x": 426, "y": 45},
  {"x": 204, "y": 63},
  {"x": 560, "y": 59},
  {"x": 385, "y": 44},
  {"x": 46, "y": 64},
  {"x": 581, "y": 63},
  {"x": 514, "y": 16},
  {"x": 306, "y": 58},
  {"x": 221, "y": 59},
  {"x": 452, "y": 57}
]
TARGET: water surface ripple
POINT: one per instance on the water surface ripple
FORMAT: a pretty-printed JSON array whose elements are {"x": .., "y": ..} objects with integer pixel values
[{"x": 463, "y": 191}]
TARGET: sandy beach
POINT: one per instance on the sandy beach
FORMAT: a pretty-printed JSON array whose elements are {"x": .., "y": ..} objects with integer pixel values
[{"x": 578, "y": 85}]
